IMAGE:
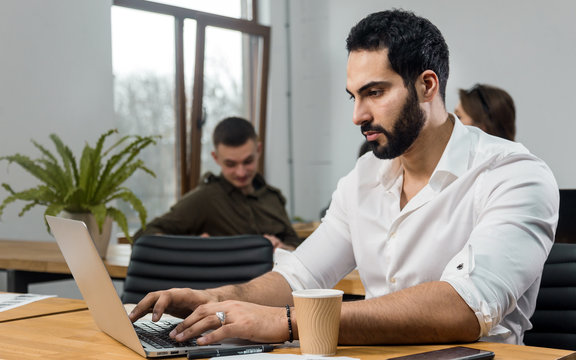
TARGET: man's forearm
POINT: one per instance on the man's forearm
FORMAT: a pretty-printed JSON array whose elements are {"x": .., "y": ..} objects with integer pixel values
[
  {"x": 427, "y": 313},
  {"x": 269, "y": 289}
]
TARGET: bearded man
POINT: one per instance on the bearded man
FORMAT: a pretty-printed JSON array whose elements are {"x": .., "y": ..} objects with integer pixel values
[{"x": 448, "y": 227}]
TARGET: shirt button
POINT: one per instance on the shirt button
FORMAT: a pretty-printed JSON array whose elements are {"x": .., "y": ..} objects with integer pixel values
[
  {"x": 393, "y": 280},
  {"x": 393, "y": 235}
]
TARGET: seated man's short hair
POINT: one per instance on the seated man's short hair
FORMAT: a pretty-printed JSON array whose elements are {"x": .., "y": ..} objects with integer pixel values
[{"x": 233, "y": 131}]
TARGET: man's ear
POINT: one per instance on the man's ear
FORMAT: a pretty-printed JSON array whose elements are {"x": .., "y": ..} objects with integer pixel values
[
  {"x": 214, "y": 156},
  {"x": 427, "y": 85},
  {"x": 259, "y": 148}
]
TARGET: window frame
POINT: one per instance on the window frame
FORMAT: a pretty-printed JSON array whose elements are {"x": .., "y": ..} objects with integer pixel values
[{"x": 188, "y": 141}]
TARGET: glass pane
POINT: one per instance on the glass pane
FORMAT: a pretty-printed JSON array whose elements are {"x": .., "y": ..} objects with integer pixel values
[
  {"x": 189, "y": 67},
  {"x": 230, "y": 8},
  {"x": 230, "y": 81},
  {"x": 143, "y": 65}
]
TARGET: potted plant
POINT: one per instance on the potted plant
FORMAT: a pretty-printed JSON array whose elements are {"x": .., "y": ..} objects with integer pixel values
[{"x": 84, "y": 189}]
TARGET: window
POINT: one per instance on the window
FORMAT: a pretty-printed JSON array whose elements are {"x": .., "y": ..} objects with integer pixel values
[
  {"x": 177, "y": 72},
  {"x": 230, "y": 8}
]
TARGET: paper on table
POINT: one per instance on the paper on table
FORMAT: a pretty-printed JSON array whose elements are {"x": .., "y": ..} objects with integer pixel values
[
  {"x": 11, "y": 301},
  {"x": 269, "y": 356}
]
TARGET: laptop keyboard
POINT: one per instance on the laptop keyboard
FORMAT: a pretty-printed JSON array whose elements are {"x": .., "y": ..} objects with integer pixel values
[{"x": 156, "y": 334}]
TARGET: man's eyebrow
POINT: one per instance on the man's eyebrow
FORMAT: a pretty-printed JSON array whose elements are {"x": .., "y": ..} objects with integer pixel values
[
  {"x": 373, "y": 84},
  {"x": 247, "y": 158},
  {"x": 369, "y": 85}
]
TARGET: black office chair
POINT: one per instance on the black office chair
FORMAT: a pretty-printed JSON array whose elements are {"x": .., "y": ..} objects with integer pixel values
[
  {"x": 554, "y": 319},
  {"x": 160, "y": 262}
]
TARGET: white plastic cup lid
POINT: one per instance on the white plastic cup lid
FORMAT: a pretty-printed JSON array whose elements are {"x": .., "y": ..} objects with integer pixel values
[{"x": 317, "y": 293}]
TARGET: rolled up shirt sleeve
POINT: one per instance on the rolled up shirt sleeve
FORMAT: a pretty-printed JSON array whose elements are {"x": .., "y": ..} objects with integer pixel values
[
  {"x": 506, "y": 251},
  {"x": 325, "y": 257},
  {"x": 316, "y": 263}
]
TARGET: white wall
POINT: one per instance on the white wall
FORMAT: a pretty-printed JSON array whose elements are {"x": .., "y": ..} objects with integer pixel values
[
  {"x": 55, "y": 76},
  {"x": 527, "y": 48}
]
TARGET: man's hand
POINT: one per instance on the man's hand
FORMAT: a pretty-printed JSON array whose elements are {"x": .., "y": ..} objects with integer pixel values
[
  {"x": 277, "y": 243},
  {"x": 260, "y": 316},
  {"x": 176, "y": 302},
  {"x": 244, "y": 320}
]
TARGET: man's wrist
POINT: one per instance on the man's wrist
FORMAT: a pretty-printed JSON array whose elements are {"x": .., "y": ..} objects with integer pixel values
[
  {"x": 214, "y": 295},
  {"x": 290, "y": 331}
]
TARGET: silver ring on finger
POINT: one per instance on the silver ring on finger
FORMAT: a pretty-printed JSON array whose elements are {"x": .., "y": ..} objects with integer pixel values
[{"x": 221, "y": 315}]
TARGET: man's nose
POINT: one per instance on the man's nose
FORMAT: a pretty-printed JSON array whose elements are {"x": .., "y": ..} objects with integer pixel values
[
  {"x": 240, "y": 170},
  {"x": 361, "y": 113}
]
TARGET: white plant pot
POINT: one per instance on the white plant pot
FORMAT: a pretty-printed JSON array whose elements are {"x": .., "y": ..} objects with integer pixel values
[{"x": 101, "y": 239}]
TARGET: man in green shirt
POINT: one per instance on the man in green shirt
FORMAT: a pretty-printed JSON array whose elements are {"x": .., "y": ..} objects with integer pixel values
[{"x": 238, "y": 201}]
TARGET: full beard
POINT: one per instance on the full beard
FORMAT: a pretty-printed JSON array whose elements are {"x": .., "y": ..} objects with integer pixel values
[{"x": 406, "y": 129}]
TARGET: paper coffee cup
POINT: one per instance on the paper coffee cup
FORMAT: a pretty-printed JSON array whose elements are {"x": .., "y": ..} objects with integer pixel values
[{"x": 318, "y": 315}]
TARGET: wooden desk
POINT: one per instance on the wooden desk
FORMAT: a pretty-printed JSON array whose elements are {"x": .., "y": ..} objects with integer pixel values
[
  {"x": 75, "y": 336},
  {"x": 49, "y": 306},
  {"x": 304, "y": 229},
  {"x": 351, "y": 284},
  {"x": 27, "y": 262}
]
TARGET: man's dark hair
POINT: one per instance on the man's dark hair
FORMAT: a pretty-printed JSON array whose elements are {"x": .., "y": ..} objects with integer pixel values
[
  {"x": 414, "y": 44},
  {"x": 233, "y": 131}
]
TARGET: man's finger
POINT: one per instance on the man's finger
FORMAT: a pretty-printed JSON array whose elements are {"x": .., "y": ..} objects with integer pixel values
[
  {"x": 214, "y": 336},
  {"x": 190, "y": 327},
  {"x": 162, "y": 302},
  {"x": 143, "y": 307}
]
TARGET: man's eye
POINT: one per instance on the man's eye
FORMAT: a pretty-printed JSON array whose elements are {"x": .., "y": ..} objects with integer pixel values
[{"x": 375, "y": 93}]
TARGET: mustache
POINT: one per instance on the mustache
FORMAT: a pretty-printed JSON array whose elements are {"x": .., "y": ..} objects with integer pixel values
[{"x": 372, "y": 127}]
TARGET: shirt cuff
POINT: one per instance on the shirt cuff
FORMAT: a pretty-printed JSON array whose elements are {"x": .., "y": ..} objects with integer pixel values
[
  {"x": 457, "y": 274},
  {"x": 289, "y": 266}
]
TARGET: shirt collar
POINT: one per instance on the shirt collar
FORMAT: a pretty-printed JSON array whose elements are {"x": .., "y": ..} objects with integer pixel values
[
  {"x": 259, "y": 184},
  {"x": 455, "y": 159},
  {"x": 389, "y": 172},
  {"x": 452, "y": 164}
]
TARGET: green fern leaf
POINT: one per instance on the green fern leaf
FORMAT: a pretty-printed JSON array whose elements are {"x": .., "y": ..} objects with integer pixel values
[
  {"x": 30, "y": 165},
  {"x": 128, "y": 196},
  {"x": 68, "y": 159},
  {"x": 99, "y": 212},
  {"x": 120, "y": 219}
]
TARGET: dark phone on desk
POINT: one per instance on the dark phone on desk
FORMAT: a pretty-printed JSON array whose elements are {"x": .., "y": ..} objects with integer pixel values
[{"x": 453, "y": 353}]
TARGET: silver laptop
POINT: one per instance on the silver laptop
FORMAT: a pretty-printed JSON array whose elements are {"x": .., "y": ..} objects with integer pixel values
[{"x": 104, "y": 303}]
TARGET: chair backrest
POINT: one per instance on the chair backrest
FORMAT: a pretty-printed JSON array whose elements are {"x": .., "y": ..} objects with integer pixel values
[
  {"x": 566, "y": 230},
  {"x": 554, "y": 319},
  {"x": 160, "y": 262}
]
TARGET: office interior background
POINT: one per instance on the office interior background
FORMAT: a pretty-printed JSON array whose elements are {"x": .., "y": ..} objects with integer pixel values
[{"x": 56, "y": 77}]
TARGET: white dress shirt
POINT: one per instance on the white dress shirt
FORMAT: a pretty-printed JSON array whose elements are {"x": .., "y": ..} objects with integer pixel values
[{"x": 484, "y": 223}]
